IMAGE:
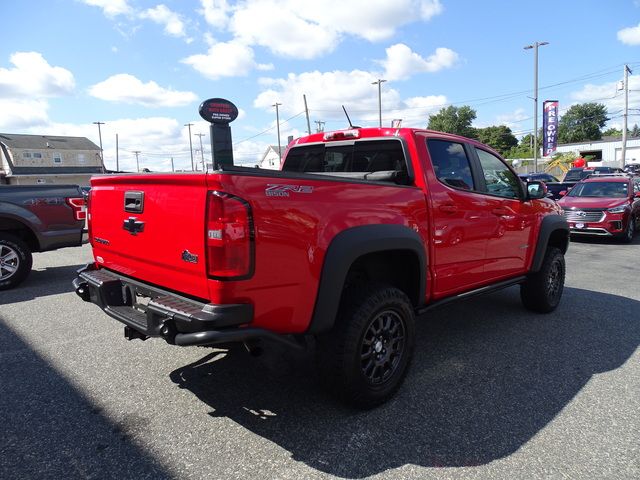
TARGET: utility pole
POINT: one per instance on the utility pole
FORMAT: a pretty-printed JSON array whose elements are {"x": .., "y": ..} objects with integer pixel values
[
  {"x": 623, "y": 160},
  {"x": 379, "y": 82},
  {"x": 535, "y": 46},
  {"x": 117, "y": 155},
  {"x": 190, "y": 145},
  {"x": 100, "y": 136},
  {"x": 278, "y": 125},
  {"x": 137, "y": 152},
  {"x": 173, "y": 169},
  {"x": 319, "y": 126},
  {"x": 204, "y": 167},
  {"x": 306, "y": 110}
]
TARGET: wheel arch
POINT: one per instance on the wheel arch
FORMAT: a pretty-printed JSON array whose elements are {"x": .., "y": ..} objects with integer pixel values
[
  {"x": 394, "y": 254},
  {"x": 21, "y": 230},
  {"x": 554, "y": 231}
]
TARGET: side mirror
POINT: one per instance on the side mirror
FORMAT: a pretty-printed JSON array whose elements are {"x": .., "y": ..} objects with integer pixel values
[
  {"x": 562, "y": 193},
  {"x": 636, "y": 195},
  {"x": 536, "y": 190}
]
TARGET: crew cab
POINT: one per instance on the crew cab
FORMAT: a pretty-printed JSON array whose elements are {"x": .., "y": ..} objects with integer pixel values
[
  {"x": 361, "y": 231},
  {"x": 36, "y": 218},
  {"x": 604, "y": 205}
]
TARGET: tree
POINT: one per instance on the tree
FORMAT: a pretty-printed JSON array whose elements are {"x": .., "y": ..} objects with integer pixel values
[
  {"x": 498, "y": 137},
  {"x": 523, "y": 150},
  {"x": 454, "y": 120},
  {"x": 612, "y": 132},
  {"x": 582, "y": 122},
  {"x": 635, "y": 131}
]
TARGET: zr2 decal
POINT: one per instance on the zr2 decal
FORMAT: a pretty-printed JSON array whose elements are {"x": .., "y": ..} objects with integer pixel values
[{"x": 274, "y": 190}]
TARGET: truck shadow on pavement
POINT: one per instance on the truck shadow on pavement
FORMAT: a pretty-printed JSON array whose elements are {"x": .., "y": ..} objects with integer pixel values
[
  {"x": 486, "y": 377},
  {"x": 42, "y": 283},
  {"x": 53, "y": 431}
]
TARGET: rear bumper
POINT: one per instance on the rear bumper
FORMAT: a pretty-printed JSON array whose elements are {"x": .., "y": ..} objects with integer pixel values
[{"x": 179, "y": 320}]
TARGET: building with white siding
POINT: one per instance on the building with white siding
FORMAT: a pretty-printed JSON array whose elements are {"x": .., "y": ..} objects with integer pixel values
[{"x": 606, "y": 152}]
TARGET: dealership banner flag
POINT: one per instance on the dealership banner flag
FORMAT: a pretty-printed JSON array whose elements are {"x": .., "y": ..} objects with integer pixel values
[{"x": 549, "y": 127}]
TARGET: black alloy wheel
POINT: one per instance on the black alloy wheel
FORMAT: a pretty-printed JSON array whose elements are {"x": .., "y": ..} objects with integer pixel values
[{"x": 382, "y": 347}]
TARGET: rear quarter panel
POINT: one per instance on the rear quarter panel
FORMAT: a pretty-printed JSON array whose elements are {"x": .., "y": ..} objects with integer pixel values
[{"x": 292, "y": 234}]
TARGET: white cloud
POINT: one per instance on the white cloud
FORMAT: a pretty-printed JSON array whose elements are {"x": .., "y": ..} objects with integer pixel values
[
  {"x": 215, "y": 12},
  {"x": 512, "y": 120},
  {"x": 630, "y": 35},
  {"x": 401, "y": 62},
  {"x": 126, "y": 88},
  {"x": 172, "y": 22},
  {"x": 272, "y": 24},
  {"x": 111, "y": 8},
  {"x": 33, "y": 77},
  {"x": 299, "y": 29},
  {"x": 611, "y": 95},
  {"x": 20, "y": 114},
  {"x": 373, "y": 20},
  {"x": 327, "y": 91},
  {"x": 225, "y": 59}
]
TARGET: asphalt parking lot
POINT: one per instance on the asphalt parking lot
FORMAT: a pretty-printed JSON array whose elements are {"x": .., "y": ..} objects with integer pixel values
[{"x": 494, "y": 392}]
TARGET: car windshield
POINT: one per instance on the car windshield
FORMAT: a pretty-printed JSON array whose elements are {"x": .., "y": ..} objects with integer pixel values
[
  {"x": 574, "y": 176},
  {"x": 600, "y": 189}
]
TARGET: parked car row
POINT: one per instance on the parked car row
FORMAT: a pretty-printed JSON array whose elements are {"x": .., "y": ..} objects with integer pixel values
[{"x": 602, "y": 201}]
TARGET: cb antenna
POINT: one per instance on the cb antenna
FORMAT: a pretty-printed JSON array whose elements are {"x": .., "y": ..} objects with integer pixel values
[{"x": 348, "y": 119}]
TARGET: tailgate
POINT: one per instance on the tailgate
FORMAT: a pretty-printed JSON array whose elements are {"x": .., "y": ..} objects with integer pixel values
[{"x": 151, "y": 228}]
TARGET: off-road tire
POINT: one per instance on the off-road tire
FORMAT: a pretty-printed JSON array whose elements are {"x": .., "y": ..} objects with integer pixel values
[
  {"x": 365, "y": 357},
  {"x": 15, "y": 261},
  {"x": 542, "y": 290}
]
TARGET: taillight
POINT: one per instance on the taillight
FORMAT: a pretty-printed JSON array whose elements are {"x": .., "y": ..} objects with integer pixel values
[
  {"x": 78, "y": 206},
  {"x": 229, "y": 237},
  {"x": 341, "y": 135}
]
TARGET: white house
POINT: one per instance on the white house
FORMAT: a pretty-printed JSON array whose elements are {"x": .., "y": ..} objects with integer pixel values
[
  {"x": 32, "y": 159},
  {"x": 271, "y": 158}
]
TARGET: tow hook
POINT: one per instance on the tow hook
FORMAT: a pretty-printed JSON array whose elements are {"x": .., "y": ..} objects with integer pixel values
[
  {"x": 82, "y": 290},
  {"x": 168, "y": 331}
]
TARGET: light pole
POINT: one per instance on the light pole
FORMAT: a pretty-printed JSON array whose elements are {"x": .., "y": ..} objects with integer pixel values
[
  {"x": 204, "y": 167},
  {"x": 190, "y": 145},
  {"x": 100, "y": 136},
  {"x": 535, "y": 46},
  {"x": 137, "y": 152},
  {"x": 379, "y": 82},
  {"x": 278, "y": 125}
]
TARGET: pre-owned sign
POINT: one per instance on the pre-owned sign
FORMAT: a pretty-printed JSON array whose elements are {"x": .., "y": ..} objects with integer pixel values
[
  {"x": 218, "y": 110},
  {"x": 549, "y": 127}
]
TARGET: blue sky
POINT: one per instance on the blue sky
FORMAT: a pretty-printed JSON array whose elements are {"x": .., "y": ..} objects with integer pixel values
[{"x": 144, "y": 66}]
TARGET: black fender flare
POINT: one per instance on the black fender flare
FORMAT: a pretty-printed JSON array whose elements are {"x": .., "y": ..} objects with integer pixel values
[
  {"x": 347, "y": 247},
  {"x": 549, "y": 225}
]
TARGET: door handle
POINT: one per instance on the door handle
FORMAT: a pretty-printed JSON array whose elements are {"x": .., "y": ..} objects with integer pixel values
[
  {"x": 449, "y": 208},
  {"x": 501, "y": 211}
]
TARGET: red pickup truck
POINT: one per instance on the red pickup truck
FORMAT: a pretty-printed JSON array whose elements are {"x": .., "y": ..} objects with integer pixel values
[{"x": 360, "y": 231}]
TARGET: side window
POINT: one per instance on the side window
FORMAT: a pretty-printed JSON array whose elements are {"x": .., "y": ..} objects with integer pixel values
[
  {"x": 451, "y": 164},
  {"x": 499, "y": 179}
]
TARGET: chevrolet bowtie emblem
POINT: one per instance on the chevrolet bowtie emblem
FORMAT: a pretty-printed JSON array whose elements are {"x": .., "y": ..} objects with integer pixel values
[{"x": 133, "y": 226}]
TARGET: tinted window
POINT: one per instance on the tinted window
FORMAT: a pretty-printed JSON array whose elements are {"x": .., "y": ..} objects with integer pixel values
[
  {"x": 498, "y": 178},
  {"x": 362, "y": 156},
  {"x": 574, "y": 175},
  {"x": 451, "y": 164}
]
